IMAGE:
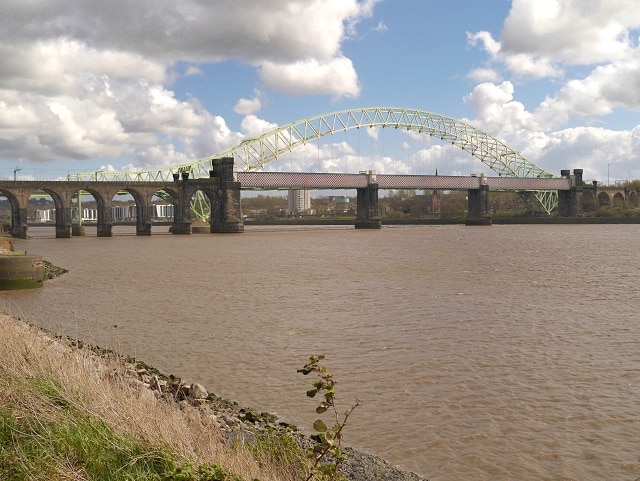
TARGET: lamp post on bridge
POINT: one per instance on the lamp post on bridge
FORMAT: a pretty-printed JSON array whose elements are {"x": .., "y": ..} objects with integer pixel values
[{"x": 15, "y": 171}]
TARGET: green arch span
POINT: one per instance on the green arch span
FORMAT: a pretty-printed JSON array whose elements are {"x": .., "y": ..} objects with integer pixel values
[{"x": 257, "y": 152}]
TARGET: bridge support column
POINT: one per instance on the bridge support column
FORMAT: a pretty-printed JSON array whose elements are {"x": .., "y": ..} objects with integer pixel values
[
  {"x": 226, "y": 212},
  {"x": 105, "y": 230},
  {"x": 478, "y": 212},
  {"x": 64, "y": 229},
  {"x": 143, "y": 228},
  {"x": 368, "y": 216},
  {"x": 143, "y": 219},
  {"x": 19, "y": 223},
  {"x": 105, "y": 221},
  {"x": 570, "y": 201},
  {"x": 182, "y": 209}
]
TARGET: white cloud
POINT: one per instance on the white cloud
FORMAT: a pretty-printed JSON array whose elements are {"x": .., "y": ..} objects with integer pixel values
[
  {"x": 533, "y": 134},
  {"x": 520, "y": 64},
  {"x": 589, "y": 55},
  {"x": 248, "y": 106},
  {"x": 192, "y": 70},
  {"x": 497, "y": 111},
  {"x": 337, "y": 77},
  {"x": 81, "y": 80},
  {"x": 572, "y": 31},
  {"x": 541, "y": 35},
  {"x": 491, "y": 46},
  {"x": 381, "y": 27},
  {"x": 600, "y": 152},
  {"x": 605, "y": 89},
  {"x": 60, "y": 66},
  {"x": 481, "y": 75},
  {"x": 275, "y": 30},
  {"x": 252, "y": 126}
]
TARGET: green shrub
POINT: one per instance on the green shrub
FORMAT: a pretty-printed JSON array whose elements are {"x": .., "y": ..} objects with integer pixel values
[{"x": 326, "y": 455}]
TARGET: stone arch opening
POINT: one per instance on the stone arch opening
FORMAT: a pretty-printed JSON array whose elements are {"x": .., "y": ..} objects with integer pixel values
[
  {"x": 16, "y": 223},
  {"x": 86, "y": 208},
  {"x": 604, "y": 200},
  {"x": 8, "y": 204},
  {"x": 618, "y": 200},
  {"x": 163, "y": 207},
  {"x": 201, "y": 202}
]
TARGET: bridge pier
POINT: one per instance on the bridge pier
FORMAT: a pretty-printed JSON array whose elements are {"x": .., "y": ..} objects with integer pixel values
[
  {"x": 143, "y": 219},
  {"x": 19, "y": 223},
  {"x": 105, "y": 230},
  {"x": 478, "y": 211},
  {"x": 64, "y": 228},
  {"x": 226, "y": 212},
  {"x": 181, "y": 228},
  {"x": 182, "y": 211},
  {"x": 143, "y": 228},
  {"x": 368, "y": 216},
  {"x": 64, "y": 231},
  {"x": 570, "y": 201}
]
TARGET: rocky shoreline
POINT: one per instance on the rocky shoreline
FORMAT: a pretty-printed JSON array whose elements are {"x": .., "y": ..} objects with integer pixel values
[{"x": 236, "y": 422}]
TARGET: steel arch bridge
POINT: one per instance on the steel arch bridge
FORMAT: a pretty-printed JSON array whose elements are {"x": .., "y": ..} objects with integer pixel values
[{"x": 256, "y": 153}]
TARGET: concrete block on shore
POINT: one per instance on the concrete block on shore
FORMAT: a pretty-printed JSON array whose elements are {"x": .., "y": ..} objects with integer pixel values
[{"x": 20, "y": 271}]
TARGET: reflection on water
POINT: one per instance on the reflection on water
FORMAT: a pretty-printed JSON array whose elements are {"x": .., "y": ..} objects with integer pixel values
[{"x": 504, "y": 352}]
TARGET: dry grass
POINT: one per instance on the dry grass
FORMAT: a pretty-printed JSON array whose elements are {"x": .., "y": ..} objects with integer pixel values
[{"x": 43, "y": 379}]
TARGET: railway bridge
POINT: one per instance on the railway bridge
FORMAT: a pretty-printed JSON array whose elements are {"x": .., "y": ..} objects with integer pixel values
[
  {"x": 223, "y": 187},
  {"x": 218, "y": 180}
]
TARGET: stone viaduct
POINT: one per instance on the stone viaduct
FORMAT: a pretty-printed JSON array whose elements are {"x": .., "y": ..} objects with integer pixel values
[
  {"x": 220, "y": 188},
  {"x": 608, "y": 196}
]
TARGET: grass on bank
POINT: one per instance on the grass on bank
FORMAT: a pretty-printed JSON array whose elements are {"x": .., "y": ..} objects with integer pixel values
[{"x": 67, "y": 414}]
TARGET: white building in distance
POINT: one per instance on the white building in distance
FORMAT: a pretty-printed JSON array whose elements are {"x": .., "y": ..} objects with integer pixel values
[{"x": 299, "y": 201}]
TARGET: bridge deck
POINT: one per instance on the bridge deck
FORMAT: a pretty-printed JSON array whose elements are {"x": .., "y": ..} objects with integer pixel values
[{"x": 301, "y": 180}]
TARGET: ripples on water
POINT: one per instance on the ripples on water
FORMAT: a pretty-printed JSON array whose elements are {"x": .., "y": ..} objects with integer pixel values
[{"x": 497, "y": 353}]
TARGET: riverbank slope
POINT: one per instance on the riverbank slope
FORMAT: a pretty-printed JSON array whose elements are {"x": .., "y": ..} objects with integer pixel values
[{"x": 57, "y": 393}]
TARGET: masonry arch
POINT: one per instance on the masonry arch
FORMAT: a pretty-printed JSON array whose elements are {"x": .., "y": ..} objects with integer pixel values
[
  {"x": 201, "y": 202},
  {"x": 11, "y": 220},
  {"x": 618, "y": 199},
  {"x": 604, "y": 200},
  {"x": 89, "y": 206},
  {"x": 163, "y": 206}
]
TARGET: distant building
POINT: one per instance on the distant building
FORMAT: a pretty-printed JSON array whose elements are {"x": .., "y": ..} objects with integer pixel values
[{"x": 299, "y": 201}]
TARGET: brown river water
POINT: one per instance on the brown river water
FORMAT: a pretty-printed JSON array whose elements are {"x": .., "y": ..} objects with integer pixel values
[{"x": 479, "y": 353}]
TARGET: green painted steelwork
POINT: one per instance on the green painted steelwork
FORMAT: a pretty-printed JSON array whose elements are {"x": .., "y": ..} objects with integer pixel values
[{"x": 257, "y": 152}]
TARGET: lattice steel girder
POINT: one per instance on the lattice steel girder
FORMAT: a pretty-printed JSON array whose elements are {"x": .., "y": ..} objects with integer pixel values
[
  {"x": 307, "y": 180},
  {"x": 255, "y": 153}
]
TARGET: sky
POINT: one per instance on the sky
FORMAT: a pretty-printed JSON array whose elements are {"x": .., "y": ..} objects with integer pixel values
[{"x": 148, "y": 84}]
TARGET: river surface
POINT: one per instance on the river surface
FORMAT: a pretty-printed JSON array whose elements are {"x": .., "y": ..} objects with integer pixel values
[{"x": 479, "y": 353}]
